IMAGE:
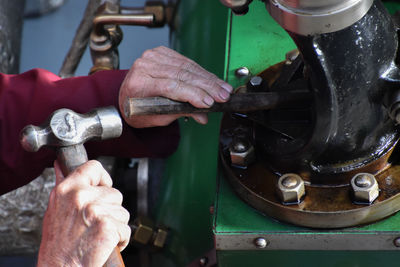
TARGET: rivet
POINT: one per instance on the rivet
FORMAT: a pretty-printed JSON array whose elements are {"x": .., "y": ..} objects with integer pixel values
[
  {"x": 396, "y": 242},
  {"x": 242, "y": 72},
  {"x": 261, "y": 242}
]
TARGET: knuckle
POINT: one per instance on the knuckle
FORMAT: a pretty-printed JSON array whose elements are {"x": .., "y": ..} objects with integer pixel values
[
  {"x": 149, "y": 53},
  {"x": 60, "y": 190},
  {"x": 105, "y": 225},
  {"x": 78, "y": 198},
  {"x": 91, "y": 211},
  {"x": 183, "y": 75}
]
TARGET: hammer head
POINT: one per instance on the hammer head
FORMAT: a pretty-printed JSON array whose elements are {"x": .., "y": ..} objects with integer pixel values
[{"x": 66, "y": 128}]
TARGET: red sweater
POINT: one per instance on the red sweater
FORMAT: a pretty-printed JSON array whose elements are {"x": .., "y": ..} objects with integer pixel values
[{"x": 29, "y": 98}]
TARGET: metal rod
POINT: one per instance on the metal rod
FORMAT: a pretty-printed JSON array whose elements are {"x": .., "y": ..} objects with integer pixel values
[
  {"x": 81, "y": 39},
  {"x": 135, "y": 19},
  {"x": 238, "y": 102}
]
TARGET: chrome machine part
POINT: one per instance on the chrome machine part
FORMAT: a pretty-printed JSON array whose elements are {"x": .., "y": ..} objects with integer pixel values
[{"x": 310, "y": 17}]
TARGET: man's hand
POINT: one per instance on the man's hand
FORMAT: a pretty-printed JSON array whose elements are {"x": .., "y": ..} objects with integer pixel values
[
  {"x": 164, "y": 72},
  {"x": 84, "y": 220}
]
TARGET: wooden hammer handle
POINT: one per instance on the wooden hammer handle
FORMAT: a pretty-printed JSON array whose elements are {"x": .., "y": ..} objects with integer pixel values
[{"x": 69, "y": 158}]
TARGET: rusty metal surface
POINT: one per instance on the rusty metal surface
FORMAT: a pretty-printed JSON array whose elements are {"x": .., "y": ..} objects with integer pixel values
[
  {"x": 21, "y": 214},
  {"x": 323, "y": 206}
]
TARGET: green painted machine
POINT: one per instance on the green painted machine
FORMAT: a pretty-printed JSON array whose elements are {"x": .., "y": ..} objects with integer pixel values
[{"x": 199, "y": 204}]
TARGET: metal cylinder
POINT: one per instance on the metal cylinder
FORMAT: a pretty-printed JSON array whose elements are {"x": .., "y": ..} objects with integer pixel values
[
  {"x": 11, "y": 19},
  {"x": 309, "y": 17}
]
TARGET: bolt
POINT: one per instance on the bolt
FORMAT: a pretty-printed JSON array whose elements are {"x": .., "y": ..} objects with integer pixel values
[
  {"x": 365, "y": 187},
  {"x": 290, "y": 181},
  {"x": 242, "y": 72},
  {"x": 241, "y": 146},
  {"x": 203, "y": 261},
  {"x": 242, "y": 152},
  {"x": 256, "y": 81},
  {"x": 363, "y": 181},
  {"x": 260, "y": 242},
  {"x": 396, "y": 242},
  {"x": 291, "y": 188}
]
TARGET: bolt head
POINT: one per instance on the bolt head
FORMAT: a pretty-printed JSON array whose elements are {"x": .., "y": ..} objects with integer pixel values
[
  {"x": 256, "y": 81},
  {"x": 242, "y": 152},
  {"x": 365, "y": 187},
  {"x": 242, "y": 72},
  {"x": 260, "y": 242},
  {"x": 291, "y": 188}
]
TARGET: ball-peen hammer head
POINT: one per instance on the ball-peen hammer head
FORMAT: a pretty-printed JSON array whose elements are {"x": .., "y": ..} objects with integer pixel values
[{"x": 67, "y": 128}]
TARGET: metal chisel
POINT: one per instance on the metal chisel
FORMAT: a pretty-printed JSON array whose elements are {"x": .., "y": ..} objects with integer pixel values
[{"x": 240, "y": 102}]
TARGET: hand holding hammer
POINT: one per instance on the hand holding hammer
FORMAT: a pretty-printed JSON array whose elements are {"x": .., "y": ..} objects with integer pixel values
[{"x": 67, "y": 131}]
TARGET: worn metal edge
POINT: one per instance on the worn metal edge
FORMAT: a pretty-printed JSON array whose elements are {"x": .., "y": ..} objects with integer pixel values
[{"x": 309, "y": 241}]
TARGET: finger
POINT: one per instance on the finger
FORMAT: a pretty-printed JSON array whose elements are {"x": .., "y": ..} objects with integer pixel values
[
  {"x": 151, "y": 120},
  {"x": 91, "y": 173},
  {"x": 94, "y": 211},
  {"x": 124, "y": 232},
  {"x": 183, "y": 63},
  {"x": 59, "y": 175},
  {"x": 210, "y": 84},
  {"x": 200, "y": 118},
  {"x": 106, "y": 194},
  {"x": 179, "y": 91}
]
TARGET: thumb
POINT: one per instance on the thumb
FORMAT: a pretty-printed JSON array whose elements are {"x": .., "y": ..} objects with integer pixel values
[{"x": 59, "y": 175}]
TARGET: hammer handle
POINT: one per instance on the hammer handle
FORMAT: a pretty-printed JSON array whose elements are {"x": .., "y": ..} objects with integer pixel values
[{"x": 69, "y": 158}]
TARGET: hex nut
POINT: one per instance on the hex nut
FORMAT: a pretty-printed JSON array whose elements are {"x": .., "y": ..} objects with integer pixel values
[
  {"x": 242, "y": 152},
  {"x": 365, "y": 187},
  {"x": 291, "y": 188}
]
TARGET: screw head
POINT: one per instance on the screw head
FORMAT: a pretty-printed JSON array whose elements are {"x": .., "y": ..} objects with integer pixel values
[
  {"x": 260, "y": 242},
  {"x": 242, "y": 72}
]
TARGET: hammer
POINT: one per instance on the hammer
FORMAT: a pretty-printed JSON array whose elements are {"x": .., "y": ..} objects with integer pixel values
[{"x": 68, "y": 131}]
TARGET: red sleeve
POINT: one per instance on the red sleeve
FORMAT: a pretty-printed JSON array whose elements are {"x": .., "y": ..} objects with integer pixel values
[{"x": 29, "y": 98}]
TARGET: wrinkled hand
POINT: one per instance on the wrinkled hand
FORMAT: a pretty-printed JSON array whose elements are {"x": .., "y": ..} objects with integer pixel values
[
  {"x": 164, "y": 72},
  {"x": 84, "y": 220}
]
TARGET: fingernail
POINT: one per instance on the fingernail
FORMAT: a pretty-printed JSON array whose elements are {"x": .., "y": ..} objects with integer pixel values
[
  {"x": 224, "y": 94},
  {"x": 227, "y": 87},
  {"x": 208, "y": 100}
]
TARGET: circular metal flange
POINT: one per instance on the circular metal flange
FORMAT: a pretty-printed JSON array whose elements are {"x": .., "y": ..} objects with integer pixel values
[
  {"x": 310, "y": 17},
  {"x": 322, "y": 206}
]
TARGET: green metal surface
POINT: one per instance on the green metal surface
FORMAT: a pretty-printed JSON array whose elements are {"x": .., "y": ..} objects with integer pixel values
[
  {"x": 257, "y": 42},
  {"x": 308, "y": 258},
  {"x": 189, "y": 185}
]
